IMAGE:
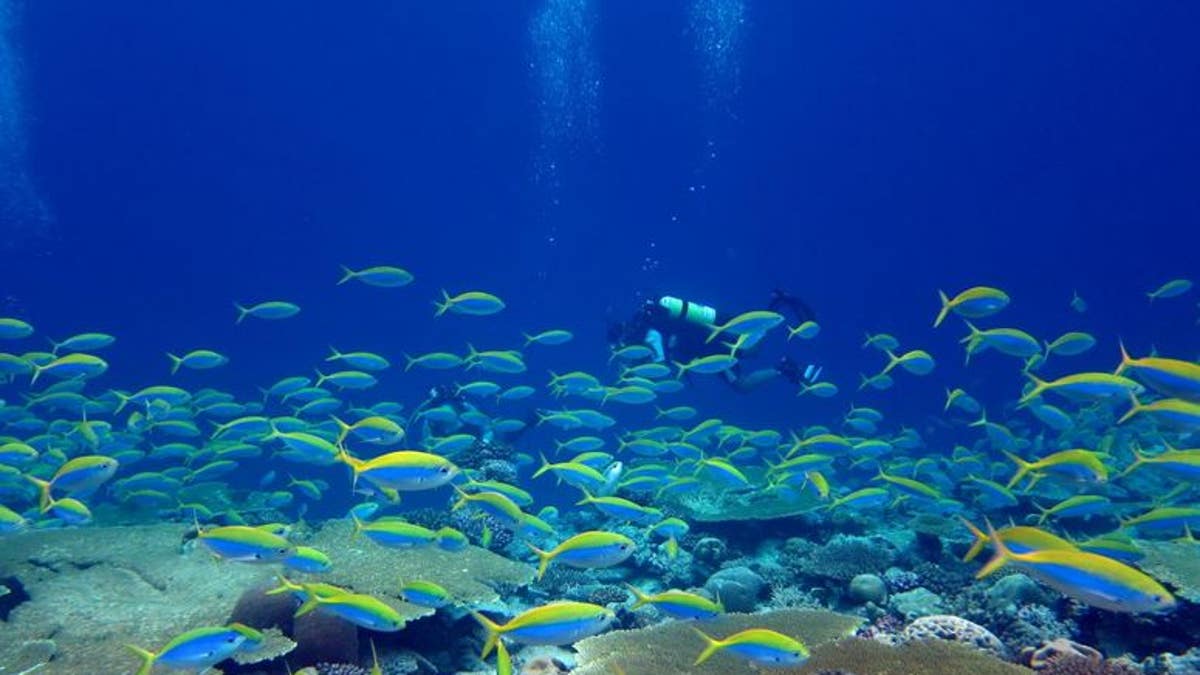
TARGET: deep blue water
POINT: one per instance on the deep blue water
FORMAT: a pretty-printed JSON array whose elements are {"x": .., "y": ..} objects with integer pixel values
[{"x": 194, "y": 154}]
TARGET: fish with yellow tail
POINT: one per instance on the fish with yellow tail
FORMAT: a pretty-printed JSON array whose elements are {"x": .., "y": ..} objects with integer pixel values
[
  {"x": 1085, "y": 466},
  {"x": 557, "y": 623},
  {"x": 1175, "y": 413},
  {"x": 241, "y": 543},
  {"x": 471, "y": 303},
  {"x": 1173, "y": 378},
  {"x": 759, "y": 645},
  {"x": 747, "y": 323},
  {"x": 1081, "y": 386},
  {"x": 593, "y": 549},
  {"x": 678, "y": 604},
  {"x": 1087, "y": 577},
  {"x": 973, "y": 303},
  {"x": 1181, "y": 463},
  {"x": 1018, "y": 538},
  {"x": 199, "y": 648},
  {"x": 403, "y": 470},
  {"x": 80, "y": 474},
  {"x": 359, "y": 609}
]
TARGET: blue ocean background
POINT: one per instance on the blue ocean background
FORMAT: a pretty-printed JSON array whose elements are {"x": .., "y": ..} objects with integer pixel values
[
  {"x": 861, "y": 155},
  {"x": 161, "y": 161}
]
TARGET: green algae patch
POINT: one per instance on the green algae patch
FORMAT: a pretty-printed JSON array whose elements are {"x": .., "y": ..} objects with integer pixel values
[
  {"x": 473, "y": 576},
  {"x": 93, "y": 590},
  {"x": 671, "y": 647},
  {"x": 928, "y": 657},
  {"x": 708, "y": 506},
  {"x": 1174, "y": 563}
]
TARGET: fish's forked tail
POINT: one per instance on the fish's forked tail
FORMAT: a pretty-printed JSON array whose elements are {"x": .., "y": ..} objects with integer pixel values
[
  {"x": 1000, "y": 556},
  {"x": 640, "y": 598},
  {"x": 1023, "y": 468},
  {"x": 43, "y": 487},
  {"x": 711, "y": 646},
  {"x": 1135, "y": 408},
  {"x": 442, "y": 306},
  {"x": 544, "y": 559},
  {"x": 945, "y": 310},
  {"x": 503, "y": 660},
  {"x": 981, "y": 540},
  {"x": 147, "y": 658},
  {"x": 493, "y": 633}
]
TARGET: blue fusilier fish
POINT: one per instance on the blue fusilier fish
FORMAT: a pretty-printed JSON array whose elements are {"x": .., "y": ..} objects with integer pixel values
[
  {"x": 359, "y": 609},
  {"x": 241, "y": 543},
  {"x": 425, "y": 594},
  {"x": 308, "y": 560},
  {"x": 200, "y": 648},
  {"x": 678, "y": 604},
  {"x": 78, "y": 475},
  {"x": 557, "y": 623},
  {"x": 762, "y": 646},
  {"x": 404, "y": 470},
  {"x": 587, "y": 550},
  {"x": 1089, "y": 578}
]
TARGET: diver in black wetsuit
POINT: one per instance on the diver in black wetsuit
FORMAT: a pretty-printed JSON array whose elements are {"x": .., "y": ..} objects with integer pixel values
[{"x": 676, "y": 330}]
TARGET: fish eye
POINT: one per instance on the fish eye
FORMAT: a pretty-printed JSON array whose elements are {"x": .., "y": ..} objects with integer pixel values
[{"x": 444, "y": 469}]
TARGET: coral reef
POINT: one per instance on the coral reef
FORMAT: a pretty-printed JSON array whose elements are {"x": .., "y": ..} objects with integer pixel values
[
  {"x": 900, "y": 580},
  {"x": 917, "y": 603},
  {"x": 945, "y": 577},
  {"x": 1076, "y": 664},
  {"x": 792, "y": 596},
  {"x": 1039, "y": 657},
  {"x": 1173, "y": 664},
  {"x": 472, "y": 576},
  {"x": 149, "y": 588},
  {"x": 1034, "y": 625},
  {"x": 724, "y": 506},
  {"x": 136, "y": 578},
  {"x": 710, "y": 549},
  {"x": 1011, "y": 592},
  {"x": 321, "y": 637},
  {"x": 844, "y": 557},
  {"x": 274, "y": 645},
  {"x": 928, "y": 657},
  {"x": 340, "y": 669},
  {"x": 865, "y": 588},
  {"x": 1174, "y": 563},
  {"x": 954, "y": 629},
  {"x": 671, "y": 647},
  {"x": 498, "y": 469},
  {"x": 738, "y": 588}
]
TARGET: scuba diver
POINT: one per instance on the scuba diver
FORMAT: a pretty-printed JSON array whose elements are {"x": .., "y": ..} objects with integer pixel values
[{"x": 676, "y": 330}]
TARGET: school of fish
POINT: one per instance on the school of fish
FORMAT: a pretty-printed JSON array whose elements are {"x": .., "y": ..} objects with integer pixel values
[{"x": 1071, "y": 445}]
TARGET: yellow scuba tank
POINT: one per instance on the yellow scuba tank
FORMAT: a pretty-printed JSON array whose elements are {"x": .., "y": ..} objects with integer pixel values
[{"x": 691, "y": 312}]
